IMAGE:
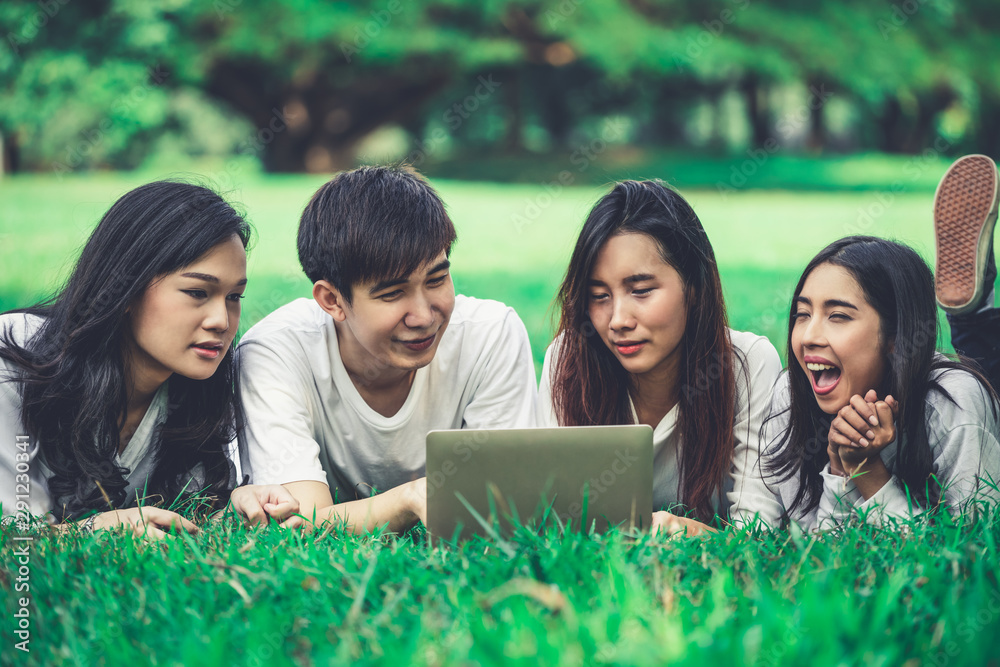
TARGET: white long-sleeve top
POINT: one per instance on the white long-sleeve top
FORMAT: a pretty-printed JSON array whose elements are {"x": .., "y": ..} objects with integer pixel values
[
  {"x": 753, "y": 400},
  {"x": 964, "y": 437}
]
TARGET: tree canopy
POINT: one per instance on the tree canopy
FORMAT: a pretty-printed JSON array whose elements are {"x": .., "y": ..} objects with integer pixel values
[{"x": 301, "y": 82}]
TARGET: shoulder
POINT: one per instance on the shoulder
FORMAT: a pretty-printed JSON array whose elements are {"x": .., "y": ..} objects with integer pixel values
[
  {"x": 19, "y": 327},
  {"x": 756, "y": 353},
  {"x": 300, "y": 319},
  {"x": 751, "y": 344},
  {"x": 472, "y": 312},
  {"x": 969, "y": 403},
  {"x": 480, "y": 321}
]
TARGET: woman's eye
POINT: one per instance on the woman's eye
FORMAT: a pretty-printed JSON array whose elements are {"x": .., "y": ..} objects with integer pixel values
[
  {"x": 196, "y": 293},
  {"x": 799, "y": 316},
  {"x": 236, "y": 297},
  {"x": 642, "y": 292},
  {"x": 840, "y": 317},
  {"x": 598, "y": 297}
]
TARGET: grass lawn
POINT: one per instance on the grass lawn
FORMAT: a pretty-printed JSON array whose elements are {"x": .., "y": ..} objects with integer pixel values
[
  {"x": 514, "y": 240},
  {"x": 925, "y": 596}
]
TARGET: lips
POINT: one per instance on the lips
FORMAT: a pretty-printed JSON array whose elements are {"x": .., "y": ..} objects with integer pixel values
[
  {"x": 418, "y": 345},
  {"x": 208, "y": 350},
  {"x": 628, "y": 348},
  {"x": 823, "y": 374}
]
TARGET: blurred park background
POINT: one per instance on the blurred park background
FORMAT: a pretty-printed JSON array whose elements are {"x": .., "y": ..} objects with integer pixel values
[{"x": 786, "y": 124}]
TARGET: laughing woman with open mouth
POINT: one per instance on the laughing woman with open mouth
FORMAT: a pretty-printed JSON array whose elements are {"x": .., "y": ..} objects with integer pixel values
[
  {"x": 869, "y": 421},
  {"x": 121, "y": 389}
]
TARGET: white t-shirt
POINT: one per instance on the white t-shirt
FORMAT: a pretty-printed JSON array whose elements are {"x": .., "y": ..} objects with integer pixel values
[
  {"x": 964, "y": 437},
  {"x": 307, "y": 421},
  {"x": 753, "y": 398},
  {"x": 14, "y": 458}
]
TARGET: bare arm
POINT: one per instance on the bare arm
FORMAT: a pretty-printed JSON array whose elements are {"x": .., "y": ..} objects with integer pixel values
[{"x": 399, "y": 507}]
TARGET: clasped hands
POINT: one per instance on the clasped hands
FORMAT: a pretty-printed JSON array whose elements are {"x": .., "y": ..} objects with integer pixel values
[{"x": 860, "y": 431}]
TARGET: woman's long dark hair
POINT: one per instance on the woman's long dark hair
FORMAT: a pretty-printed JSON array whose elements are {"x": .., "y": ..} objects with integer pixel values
[
  {"x": 898, "y": 284},
  {"x": 72, "y": 371},
  {"x": 590, "y": 386}
]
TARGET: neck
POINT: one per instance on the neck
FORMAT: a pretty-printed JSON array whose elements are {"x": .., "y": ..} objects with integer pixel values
[
  {"x": 655, "y": 392},
  {"x": 142, "y": 382},
  {"x": 369, "y": 374}
]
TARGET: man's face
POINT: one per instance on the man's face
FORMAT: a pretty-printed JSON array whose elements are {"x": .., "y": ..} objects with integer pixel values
[{"x": 397, "y": 323}]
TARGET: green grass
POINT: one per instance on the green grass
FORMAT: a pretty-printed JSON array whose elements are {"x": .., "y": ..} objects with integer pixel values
[
  {"x": 514, "y": 240},
  {"x": 927, "y": 596}
]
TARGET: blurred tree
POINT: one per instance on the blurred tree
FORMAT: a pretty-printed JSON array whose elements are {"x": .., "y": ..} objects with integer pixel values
[{"x": 301, "y": 82}]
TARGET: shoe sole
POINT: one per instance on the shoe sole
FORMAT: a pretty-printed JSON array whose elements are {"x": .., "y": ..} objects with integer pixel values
[{"x": 965, "y": 211}]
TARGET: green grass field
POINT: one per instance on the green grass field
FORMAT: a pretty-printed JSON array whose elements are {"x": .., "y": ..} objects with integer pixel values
[
  {"x": 925, "y": 596},
  {"x": 514, "y": 240}
]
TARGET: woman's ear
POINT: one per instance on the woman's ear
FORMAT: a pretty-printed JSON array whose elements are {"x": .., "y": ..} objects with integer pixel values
[{"x": 330, "y": 299}]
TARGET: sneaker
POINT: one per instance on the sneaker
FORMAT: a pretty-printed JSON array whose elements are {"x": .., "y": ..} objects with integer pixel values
[{"x": 965, "y": 211}]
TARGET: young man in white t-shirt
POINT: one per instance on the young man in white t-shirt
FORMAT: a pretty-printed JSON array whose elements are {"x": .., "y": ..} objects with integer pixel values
[{"x": 341, "y": 390}]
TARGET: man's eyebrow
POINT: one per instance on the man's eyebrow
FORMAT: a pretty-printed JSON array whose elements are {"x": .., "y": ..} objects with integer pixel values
[
  {"x": 392, "y": 282},
  {"x": 441, "y": 266},
  {"x": 209, "y": 278},
  {"x": 386, "y": 284}
]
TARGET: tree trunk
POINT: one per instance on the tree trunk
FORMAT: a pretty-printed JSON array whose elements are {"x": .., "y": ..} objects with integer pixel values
[
  {"x": 988, "y": 133},
  {"x": 890, "y": 121},
  {"x": 316, "y": 124},
  {"x": 757, "y": 111}
]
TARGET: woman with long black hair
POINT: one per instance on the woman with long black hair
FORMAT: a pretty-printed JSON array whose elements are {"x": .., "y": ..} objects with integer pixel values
[
  {"x": 643, "y": 339},
  {"x": 869, "y": 420},
  {"x": 120, "y": 391}
]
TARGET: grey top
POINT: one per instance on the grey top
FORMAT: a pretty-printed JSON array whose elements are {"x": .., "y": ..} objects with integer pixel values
[
  {"x": 23, "y": 475},
  {"x": 964, "y": 438}
]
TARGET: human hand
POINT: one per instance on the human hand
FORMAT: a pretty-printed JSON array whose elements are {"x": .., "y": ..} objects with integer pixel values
[
  {"x": 149, "y": 522},
  {"x": 836, "y": 465},
  {"x": 415, "y": 498},
  {"x": 863, "y": 428},
  {"x": 261, "y": 503},
  {"x": 670, "y": 524}
]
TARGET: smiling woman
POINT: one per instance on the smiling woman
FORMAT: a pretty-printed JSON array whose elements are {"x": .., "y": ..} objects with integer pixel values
[
  {"x": 869, "y": 418},
  {"x": 643, "y": 339},
  {"x": 120, "y": 390}
]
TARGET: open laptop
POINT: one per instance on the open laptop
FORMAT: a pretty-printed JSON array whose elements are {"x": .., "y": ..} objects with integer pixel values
[{"x": 587, "y": 476}]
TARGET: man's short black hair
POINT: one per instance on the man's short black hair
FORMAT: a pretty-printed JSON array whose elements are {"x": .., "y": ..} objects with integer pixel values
[{"x": 372, "y": 224}]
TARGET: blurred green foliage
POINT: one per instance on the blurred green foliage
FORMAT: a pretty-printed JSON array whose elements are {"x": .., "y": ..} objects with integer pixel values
[{"x": 311, "y": 85}]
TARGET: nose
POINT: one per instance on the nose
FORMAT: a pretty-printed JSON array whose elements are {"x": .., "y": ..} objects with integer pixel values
[
  {"x": 217, "y": 316},
  {"x": 813, "y": 334},
  {"x": 420, "y": 314},
  {"x": 621, "y": 315}
]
